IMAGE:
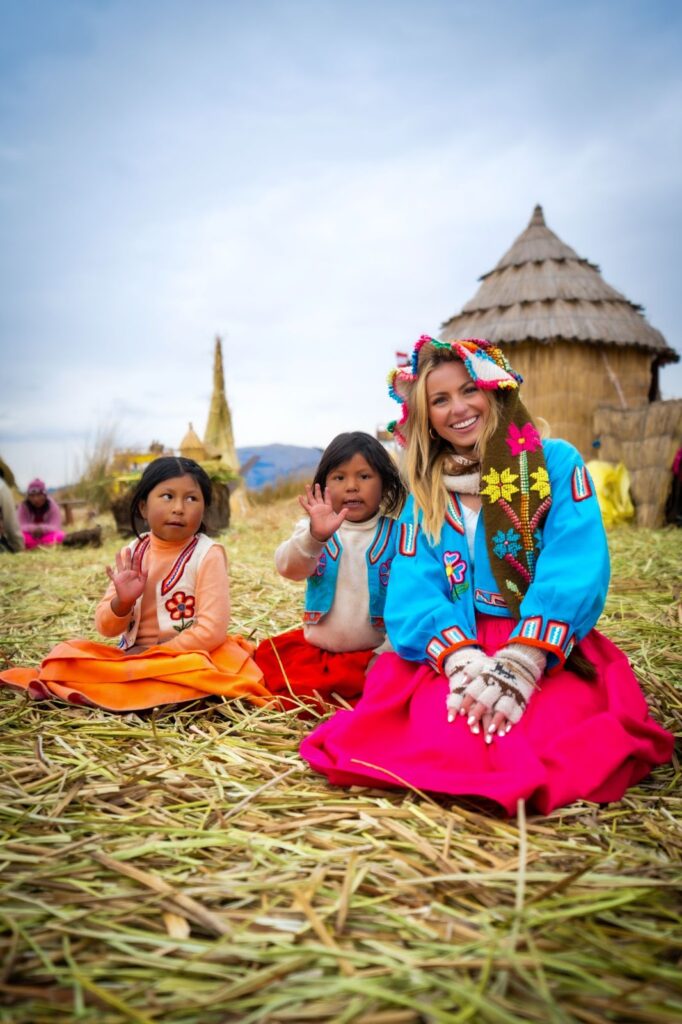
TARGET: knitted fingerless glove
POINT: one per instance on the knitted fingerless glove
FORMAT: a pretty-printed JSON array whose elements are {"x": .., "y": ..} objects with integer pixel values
[
  {"x": 463, "y": 670},
  {"x": 509, "y": 683}
]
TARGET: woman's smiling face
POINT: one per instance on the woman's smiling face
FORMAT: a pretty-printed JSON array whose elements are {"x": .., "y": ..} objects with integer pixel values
[{"x": 458, "y": 410}]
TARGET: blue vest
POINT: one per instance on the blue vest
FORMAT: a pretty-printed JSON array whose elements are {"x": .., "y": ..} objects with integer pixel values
[
  {"x": 321, "y": 586},
  {"x": 436, "y": 592}
]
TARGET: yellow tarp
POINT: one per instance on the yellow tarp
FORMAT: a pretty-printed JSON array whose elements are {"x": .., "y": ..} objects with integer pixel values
[{"x": 612, "y": 483}]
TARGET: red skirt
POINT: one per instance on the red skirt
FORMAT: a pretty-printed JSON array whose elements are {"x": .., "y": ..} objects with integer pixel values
[
  {"x": 576, "y": 740},
  {"x": 291, "y": 665}
]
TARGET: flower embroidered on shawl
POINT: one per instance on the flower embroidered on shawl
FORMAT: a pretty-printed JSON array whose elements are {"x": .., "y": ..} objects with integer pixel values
[
  {"x": 384, "y": 572},
  {"x": 455, "y": 571},
  {"x": 541, "y": 485},
  {"x": 181, "y": 607},
  {"x": 508, "y": 543},
  {"x": 500, "y": 485},
  {"x": 522, "y": 439}
]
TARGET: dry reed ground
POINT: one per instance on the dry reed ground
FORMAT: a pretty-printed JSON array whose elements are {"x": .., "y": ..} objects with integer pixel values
[{"x": 185, "y": 866}]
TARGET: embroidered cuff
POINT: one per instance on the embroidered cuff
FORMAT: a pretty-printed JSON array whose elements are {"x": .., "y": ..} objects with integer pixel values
[
  {"x": 552, "y": 635},
  {"x": 445, "y": 643}
]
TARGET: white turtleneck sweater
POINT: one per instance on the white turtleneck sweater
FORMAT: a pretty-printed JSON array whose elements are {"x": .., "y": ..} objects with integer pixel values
[
  {"x": 469, "y": 484},
  {"x": 470, "y": 521},
  {"x": 346, "y": 627}
]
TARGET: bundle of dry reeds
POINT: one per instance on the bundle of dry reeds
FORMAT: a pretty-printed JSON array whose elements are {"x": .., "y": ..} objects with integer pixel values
[
  {"x": 645, "y": 440},
  {"x": 186, "y": 867}
]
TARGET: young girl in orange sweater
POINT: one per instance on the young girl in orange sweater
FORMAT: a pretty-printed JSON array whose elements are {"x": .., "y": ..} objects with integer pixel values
[{"x": 168, "y": 601}]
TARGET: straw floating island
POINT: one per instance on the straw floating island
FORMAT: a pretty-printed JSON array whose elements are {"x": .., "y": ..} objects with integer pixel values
[{"x": 185, "y": 866}]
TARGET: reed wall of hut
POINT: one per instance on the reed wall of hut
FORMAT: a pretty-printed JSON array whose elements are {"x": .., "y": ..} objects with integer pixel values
[
  {"x": 565, "y": 381},
  {"x": 645, "y": 440}
]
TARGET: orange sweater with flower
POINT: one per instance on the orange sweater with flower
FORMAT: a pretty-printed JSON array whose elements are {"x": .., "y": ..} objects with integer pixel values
[{"x": 212, "y": 614}]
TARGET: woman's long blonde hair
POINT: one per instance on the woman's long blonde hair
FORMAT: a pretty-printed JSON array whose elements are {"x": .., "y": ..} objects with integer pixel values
[{"x": 425, "y": 456}]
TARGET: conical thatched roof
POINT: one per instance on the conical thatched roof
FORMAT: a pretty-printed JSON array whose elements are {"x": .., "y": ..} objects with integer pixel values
[
  {"x": 218, "y": 436},
  {"x": 542, "y": 291},
  {"x": 191, "y": 446}
]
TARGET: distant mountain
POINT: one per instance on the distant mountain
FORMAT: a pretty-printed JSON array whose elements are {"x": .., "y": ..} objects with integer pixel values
[{"x": 276, "y": 462}]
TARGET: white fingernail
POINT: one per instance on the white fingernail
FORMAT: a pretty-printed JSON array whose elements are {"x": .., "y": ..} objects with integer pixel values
[
  {"x": 451, "y": 717},
  {"x": 462, "y": 711},
  {"x": 492, "y": 728},
  {"x": 475, "y": 730},
  {"x": 471, "y": 719},
  {"x": 488, "y": 739}
]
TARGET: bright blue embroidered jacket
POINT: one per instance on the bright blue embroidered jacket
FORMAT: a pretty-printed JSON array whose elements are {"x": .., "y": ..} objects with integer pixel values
[
  {"x": 434, "y": 593},
  {"x": 321, "y": 586}
]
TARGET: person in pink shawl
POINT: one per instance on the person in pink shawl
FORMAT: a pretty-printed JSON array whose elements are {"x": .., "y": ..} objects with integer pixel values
[
  {"x": 500, "y": 687},
  {"x": 39, "y": 516}
]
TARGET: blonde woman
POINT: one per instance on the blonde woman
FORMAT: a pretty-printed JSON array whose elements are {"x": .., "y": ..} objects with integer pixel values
[{"x": 500, "y": 686}]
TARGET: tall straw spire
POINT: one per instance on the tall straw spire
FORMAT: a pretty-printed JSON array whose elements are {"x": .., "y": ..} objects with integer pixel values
[{"x": 218, "y": 436}]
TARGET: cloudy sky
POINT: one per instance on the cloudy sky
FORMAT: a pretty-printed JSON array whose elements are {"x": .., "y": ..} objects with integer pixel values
[{"x": 318, "y": 181}]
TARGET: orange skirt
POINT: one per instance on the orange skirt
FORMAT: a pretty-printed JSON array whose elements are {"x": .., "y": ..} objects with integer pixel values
[{"x": 94, "y": 674}]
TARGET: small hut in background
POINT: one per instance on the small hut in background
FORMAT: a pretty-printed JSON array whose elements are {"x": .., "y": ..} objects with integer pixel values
[
  {"x": 218, "y": 436},
  {"x": 191, "y": 447},
  {"x": 581, "y": 345}
]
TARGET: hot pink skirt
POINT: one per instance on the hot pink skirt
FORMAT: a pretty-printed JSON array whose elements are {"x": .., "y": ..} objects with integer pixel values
[
  {"x": 576, "y": 739},
  {"x": 53, "y": 537}
]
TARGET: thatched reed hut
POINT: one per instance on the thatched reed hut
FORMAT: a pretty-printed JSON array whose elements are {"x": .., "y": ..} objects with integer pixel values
[
  {"x": 579, "y": 343},
  {"x": 191, "y": 447}
]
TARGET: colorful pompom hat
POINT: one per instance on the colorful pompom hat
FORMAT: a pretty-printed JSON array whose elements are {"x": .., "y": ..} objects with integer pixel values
[{"x": 485, "y": 363}]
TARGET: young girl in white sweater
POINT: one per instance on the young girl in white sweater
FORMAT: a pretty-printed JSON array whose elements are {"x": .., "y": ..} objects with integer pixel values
[{"x": 343, "y": 548}]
